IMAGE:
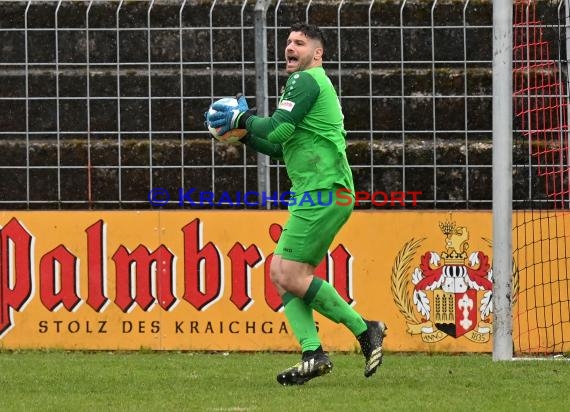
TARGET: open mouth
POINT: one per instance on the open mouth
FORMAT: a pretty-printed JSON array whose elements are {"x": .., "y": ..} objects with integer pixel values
[{"x": 292, "y": 60}]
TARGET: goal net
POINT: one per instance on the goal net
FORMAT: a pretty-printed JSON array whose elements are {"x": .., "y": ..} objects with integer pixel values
[{"x": 541, "y": 304}]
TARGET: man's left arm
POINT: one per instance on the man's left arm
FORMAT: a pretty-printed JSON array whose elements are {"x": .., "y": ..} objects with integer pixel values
[{"x": 301, "y": 92}]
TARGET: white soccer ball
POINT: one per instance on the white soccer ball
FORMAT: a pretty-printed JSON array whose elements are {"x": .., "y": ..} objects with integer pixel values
[{"x": 232, "y": 136}]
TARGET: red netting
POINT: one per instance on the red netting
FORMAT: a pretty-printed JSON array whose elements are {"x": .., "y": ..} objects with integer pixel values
[
  {"x": 540, "y": 102},
  {"x": 541, "y": 284}
]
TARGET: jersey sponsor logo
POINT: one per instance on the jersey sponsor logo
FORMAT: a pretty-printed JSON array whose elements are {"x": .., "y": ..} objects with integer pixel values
[{"x": 286, "y": 105}]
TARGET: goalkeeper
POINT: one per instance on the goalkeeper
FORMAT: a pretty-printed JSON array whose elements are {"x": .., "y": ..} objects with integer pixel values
[{"x": 307, "y": 132}]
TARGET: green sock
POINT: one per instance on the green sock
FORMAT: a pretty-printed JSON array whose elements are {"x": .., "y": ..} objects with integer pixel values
[
  {"x": 300, "y": 317},
  {"x": 324, "y": 298}
]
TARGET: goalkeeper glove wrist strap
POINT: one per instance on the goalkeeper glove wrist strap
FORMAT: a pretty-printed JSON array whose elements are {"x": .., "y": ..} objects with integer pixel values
[{"x": 242, "y": 119}]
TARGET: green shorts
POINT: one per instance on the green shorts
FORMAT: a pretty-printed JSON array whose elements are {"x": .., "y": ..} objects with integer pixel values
[{"x": 314, "y": 220}]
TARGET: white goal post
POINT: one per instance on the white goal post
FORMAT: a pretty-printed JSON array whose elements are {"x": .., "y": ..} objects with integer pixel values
[{"x": 502, "y": 178}]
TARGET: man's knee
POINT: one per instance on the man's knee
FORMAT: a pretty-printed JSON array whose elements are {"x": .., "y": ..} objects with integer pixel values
[
  {"x": 276, "y": 272},
  {"x": 289, "y": 275}
]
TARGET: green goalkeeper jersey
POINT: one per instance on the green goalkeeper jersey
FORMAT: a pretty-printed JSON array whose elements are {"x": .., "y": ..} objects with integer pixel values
[{"x": 307, "y": 132}]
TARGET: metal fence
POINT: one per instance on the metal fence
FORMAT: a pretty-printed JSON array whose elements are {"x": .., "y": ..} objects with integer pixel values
[{"x": 103, "y": 101}]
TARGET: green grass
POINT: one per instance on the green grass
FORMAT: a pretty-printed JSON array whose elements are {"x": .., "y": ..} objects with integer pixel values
[{"x": 169, "y": 381}]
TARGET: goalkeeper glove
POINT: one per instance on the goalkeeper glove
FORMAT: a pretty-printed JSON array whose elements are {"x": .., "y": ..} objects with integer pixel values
[{"x": 227, "y": 117}]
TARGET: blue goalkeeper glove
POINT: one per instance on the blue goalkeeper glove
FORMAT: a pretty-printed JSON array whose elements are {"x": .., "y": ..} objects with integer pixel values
[{"x": 229, "y": 117}]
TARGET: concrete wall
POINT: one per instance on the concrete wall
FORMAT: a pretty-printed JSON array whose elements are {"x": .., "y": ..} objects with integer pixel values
[{"x": 57, "y": 133}]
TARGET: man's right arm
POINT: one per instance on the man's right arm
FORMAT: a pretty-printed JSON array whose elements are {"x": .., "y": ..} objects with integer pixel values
[{"x": 264, "y": 146}]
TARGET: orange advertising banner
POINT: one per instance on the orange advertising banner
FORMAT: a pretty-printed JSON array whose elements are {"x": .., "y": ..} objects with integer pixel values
[{"x": 199, "y": 280}]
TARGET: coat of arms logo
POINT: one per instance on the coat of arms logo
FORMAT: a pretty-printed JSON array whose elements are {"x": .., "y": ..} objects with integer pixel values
[{"x": 451, "y": 290}]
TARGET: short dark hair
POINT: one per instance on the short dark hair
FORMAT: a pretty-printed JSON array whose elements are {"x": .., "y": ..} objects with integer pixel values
[{"x": 309, "y": 30}]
